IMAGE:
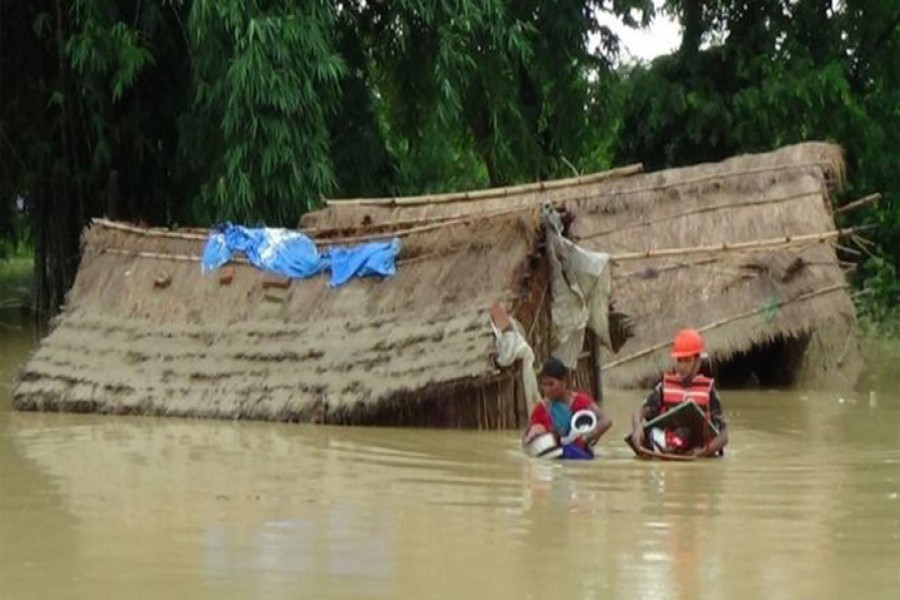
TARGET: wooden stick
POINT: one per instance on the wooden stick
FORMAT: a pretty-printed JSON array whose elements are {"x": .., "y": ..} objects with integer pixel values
[
  {"x": 857, "y": 203},
  {"x": 163, "y": 256},
  {"x": 728, "y": 247},
  {"x": 732, "y": 319},
  {"x": 851, "y": 251},
  {"x": 490, "y": 193},
  {"x": 696, "y": 211},
  {"x": 401, "y": 233},
  {"x": 651, "y": 272},
  {"x": 147, "y": 232},
  {"x": 673, "y": 184},
  {"x": 235, "y": 259},
  {"x": 713, "y": 176},
  {"x": 864, "y": 244},
  {"x": 426, "y": 221}
]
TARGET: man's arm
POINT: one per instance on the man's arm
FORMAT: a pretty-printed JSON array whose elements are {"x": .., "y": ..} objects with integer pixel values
[
  {"x": 721, "y": 439},
  {"x": 649, "y": 408},
  {"x": 717, "y": 443}
]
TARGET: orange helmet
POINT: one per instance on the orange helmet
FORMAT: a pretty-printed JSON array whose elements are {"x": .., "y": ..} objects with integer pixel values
[{"x": 688, "y": 343}]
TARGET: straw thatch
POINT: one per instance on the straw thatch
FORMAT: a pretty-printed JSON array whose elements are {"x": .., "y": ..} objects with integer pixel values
[
  {"x": 791, "y": 293},
  {"x": 744, "y": 299},
  {"x": 144, "y": 332}
]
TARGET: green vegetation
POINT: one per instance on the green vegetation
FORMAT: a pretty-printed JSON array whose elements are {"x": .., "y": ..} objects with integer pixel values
[
  {"x": 199, "y": 111},
  {"x": 16, "y": 282}
]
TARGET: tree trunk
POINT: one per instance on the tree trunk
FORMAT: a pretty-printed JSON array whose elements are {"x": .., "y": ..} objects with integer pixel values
[{"x": 692, "y": 21}]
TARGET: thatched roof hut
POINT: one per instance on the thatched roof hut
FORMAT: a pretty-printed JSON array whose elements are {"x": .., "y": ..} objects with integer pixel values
[
  {"x": 777, "y": 312},
  {"x": 143, "y": 332}
]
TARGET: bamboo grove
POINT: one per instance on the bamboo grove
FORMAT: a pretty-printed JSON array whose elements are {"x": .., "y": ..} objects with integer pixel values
[{"x": 199, "y": 111}]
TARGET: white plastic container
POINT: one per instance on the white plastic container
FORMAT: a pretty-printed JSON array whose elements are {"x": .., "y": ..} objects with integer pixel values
[{"x": 544, "y": 446}]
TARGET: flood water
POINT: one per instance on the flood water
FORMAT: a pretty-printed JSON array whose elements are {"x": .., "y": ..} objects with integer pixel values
[{"x": 805, "y": 505}]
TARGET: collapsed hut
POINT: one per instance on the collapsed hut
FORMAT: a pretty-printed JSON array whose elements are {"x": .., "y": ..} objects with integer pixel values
[
  {"x": 143, "y": 332},
  {"x": 742, "y": 250}
]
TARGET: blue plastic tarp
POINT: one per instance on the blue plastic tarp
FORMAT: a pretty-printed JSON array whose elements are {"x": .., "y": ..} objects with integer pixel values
[{"x": 293, "y": 254}]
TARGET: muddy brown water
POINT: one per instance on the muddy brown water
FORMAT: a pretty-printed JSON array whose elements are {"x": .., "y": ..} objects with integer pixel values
[{"x": 805, "y": 505}]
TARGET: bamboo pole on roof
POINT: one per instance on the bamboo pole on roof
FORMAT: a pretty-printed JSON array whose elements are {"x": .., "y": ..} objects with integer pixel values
[
  {"x": 187, "y": 236},
  {"x": 156, "y": 255},
  {"x": 147, "y": 232},
  {"x": 653, "y": 271},
  {"x": 696, "y": 211},
  {"x": 394, "y": 202},
  {"x": 444, "y": 219},
  {"x": 402, "y": 233},
  {"x": 715, "y": 176},
  {"x": 736, "y": 246},
  {"x": 731, "y": 319},
  {"x": 490, "y": 193},
  {"x": 871, "y": 198}
]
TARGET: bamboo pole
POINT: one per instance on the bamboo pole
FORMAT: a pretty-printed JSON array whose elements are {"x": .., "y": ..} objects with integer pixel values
[
  {"x": 731, "y": 319},
  {"x": 673, "y": 184},
  {"x": 401, "y": 233},
  {"x": 704, "y": 209},
  {"x": 192, "y": 258},
  {"x": 164, "y": 256},
  {"x": 320, "y": 242},
  {"x": 156, "y": 255},
  {"x": 651, "y": 272},
  {"x": 715, "y": 176},
  {"x": 735, "y": 246},
  {"x": 857, "y": 203},
  {"x": 490, "y": 193},
  {"x": 425, "y": 221},
  {"x": 851, "y": 251},
  {"x": 147, "y": 232}
]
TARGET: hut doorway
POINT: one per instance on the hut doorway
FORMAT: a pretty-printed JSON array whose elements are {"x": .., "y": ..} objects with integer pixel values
[{"x": 773, "y": 364}]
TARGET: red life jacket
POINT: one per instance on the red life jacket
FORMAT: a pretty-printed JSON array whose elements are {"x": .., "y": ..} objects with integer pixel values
[{"x": 674, "y": 392}]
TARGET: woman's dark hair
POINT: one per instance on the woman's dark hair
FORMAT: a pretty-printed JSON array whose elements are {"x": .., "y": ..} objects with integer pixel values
[{"x": 554, "y": 368}]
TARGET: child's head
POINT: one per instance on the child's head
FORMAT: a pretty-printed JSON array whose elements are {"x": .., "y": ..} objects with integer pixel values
[
  {"x": 554, "y": 379},
  {"x": 687, "y": 350}
]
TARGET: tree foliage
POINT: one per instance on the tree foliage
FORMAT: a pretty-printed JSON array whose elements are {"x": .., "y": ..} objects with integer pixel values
[
  {"x": 752, "y": 76},
  {"x": 199, "y": 111},
  {"x": 266, "y": 77}
]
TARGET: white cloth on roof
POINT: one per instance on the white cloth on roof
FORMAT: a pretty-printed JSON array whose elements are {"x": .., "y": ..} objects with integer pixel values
[
  {"x": 512, "y": 346},
  {"x": 581, "y": 285}
]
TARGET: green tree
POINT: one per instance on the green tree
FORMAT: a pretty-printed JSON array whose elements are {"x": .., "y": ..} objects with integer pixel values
[
  {"x": 175, "y": 111},
  {"x": 751, "y": 76},
  {"x": 266, "y": 78},
  {"x": 513, "y": 84}
]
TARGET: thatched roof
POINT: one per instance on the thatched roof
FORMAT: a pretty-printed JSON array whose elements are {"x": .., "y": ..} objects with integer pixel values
[
  {"x": 144, "y": 332},
  {"x": 743, "y": 299},
  {"x": 189, "y": 345}
]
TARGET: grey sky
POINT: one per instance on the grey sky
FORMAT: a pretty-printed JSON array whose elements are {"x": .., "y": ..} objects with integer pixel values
[{"x": 662, "y": 37}]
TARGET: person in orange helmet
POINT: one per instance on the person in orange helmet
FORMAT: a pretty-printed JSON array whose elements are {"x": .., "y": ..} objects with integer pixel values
[{"x": 685, "y": 382}]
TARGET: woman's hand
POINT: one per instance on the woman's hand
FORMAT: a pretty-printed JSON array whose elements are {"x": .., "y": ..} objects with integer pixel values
[{"x": 533, "y": 432}]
